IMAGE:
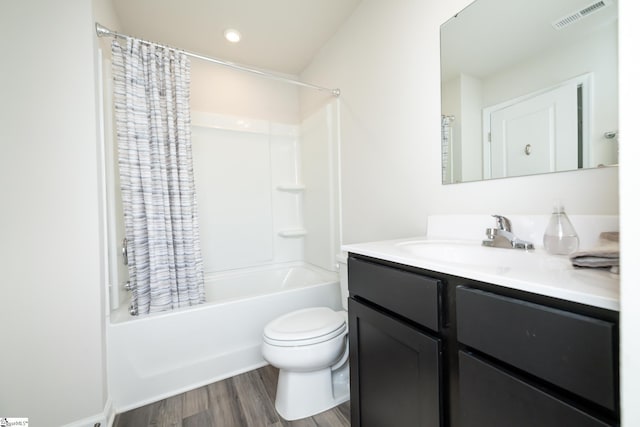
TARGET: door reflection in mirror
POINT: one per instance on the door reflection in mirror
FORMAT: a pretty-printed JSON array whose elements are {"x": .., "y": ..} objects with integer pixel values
[{"x": 541, "y": 121}]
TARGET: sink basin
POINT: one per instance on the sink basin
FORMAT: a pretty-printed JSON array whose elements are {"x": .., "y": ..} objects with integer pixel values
[{"x": 474, "y": 254}]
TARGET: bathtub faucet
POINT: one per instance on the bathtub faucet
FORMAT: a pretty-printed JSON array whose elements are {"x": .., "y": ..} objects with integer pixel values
[{"x": 502, "y": 237}]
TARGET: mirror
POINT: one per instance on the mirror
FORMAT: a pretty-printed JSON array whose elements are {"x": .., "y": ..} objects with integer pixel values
[{"x": 529, "y": 87}]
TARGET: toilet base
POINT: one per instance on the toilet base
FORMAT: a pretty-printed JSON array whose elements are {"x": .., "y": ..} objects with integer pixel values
[{"x": 304, "y": 394}]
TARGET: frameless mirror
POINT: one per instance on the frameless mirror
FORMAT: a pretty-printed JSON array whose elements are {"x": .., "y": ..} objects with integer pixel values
[{"x": 529, "y": 87}]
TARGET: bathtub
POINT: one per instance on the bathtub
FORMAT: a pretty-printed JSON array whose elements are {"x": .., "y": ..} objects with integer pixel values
[{"x": 156, "y": 356}]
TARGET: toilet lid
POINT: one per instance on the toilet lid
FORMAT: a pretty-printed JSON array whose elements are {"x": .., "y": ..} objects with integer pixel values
[{"x": 306, "y": 326}]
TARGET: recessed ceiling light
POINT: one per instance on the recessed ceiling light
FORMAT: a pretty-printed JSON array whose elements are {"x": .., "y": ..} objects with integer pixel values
[{"x": 232, "y": 35}]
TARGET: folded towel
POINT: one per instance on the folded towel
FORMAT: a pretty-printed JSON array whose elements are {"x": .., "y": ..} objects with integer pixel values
[{"x": 606, "y": 254}]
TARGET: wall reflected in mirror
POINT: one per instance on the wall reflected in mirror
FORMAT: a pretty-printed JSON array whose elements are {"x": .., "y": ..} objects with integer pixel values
[{"x": 529, "y": 87}]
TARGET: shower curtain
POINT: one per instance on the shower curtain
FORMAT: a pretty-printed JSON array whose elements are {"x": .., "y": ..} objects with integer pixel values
[
  {"x": 447, "y": 152},
  {"x": 151, "y": 98}
]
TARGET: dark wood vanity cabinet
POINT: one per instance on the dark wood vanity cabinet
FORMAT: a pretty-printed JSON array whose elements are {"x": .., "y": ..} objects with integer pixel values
[
  {"x": 430, "y": 349},
  {"x": 490, "y": 396},
  {"x": 529, "y": 364},
  {"x": 395, "y": 352},
  {"x": 395, "y": 371}
]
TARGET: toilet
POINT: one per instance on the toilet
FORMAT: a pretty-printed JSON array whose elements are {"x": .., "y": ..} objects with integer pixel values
[{"x": 310, "y": 347}]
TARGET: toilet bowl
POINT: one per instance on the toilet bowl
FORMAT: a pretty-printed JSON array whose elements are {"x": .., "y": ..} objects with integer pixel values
[{"x": 310, "y": 347}]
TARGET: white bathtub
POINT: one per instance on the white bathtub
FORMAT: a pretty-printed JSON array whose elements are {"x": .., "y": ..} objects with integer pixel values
[{"x": 153, "y": 357}]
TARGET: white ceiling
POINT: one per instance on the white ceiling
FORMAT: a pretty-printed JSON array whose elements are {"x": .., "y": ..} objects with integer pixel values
[
  {"x": 490, "y": 35},
  {"x": 277, "y": 35}
]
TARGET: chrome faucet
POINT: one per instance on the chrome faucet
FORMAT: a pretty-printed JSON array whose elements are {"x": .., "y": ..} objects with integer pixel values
[{"x": 502, "y": 237}]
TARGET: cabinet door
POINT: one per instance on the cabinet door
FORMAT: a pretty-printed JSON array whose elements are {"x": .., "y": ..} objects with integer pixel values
[
  {"x": 395, "y": 371},
  {"x": 492, "y": 397}
]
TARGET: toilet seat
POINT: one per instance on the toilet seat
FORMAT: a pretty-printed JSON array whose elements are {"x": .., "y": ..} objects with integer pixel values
[{"x": 305, "y": 327}]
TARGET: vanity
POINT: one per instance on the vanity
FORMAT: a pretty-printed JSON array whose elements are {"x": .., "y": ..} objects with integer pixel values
[
  {"x": 446, "y": 332},
  {"x": 450, "y": 333}
]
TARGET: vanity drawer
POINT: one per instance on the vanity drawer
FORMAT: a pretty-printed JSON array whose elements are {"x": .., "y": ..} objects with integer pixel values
[
  {"x": 413, "y": 296},
  {"x": 572, "y": 351},
  {"x": 490, "y": 396}
]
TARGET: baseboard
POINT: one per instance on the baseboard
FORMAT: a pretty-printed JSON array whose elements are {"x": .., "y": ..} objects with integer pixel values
[{"x": 105, "y": 419}]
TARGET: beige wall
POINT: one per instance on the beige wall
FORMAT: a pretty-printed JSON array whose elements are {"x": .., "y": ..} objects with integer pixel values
[{"x": 53, "y": 368}]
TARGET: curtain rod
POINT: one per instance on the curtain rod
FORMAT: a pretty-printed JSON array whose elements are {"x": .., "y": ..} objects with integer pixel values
[{"x": 103, "y": 31}]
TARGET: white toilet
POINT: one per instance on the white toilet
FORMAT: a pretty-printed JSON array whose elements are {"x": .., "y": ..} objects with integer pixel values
[{"x": 310, "y": 347}]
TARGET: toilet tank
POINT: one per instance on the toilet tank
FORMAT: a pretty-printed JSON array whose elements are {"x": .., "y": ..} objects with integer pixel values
[{"x": 344, "y": 285}]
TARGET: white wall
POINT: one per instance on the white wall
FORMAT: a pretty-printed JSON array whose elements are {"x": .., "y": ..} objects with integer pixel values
[
  {"x": 629, "y": 212},
  {"x": 385, "y": 60},
  {"x": 53, "y": 368},
  {"x": 221, "y": 90}
]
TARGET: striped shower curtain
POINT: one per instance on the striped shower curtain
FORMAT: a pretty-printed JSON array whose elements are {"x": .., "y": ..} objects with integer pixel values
[
  {"x": 151, "y": 97},
  {"x": 447, "y": 149}
]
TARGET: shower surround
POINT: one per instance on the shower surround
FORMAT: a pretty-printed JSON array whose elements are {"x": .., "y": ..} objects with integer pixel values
[{"x": 268, "y": 201}]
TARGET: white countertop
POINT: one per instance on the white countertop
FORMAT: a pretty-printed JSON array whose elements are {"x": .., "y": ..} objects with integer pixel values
[{"x": 535, "y": 272}]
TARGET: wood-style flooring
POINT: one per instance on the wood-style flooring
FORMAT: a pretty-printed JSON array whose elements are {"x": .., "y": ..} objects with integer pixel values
[{"x": 246, "y": 400}]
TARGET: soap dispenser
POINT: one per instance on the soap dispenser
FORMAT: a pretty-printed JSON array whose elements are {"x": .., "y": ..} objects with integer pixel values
[{"x": 560, "y": 238}]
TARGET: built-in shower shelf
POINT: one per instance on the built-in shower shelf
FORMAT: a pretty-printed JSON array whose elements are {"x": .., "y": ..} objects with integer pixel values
[
  {"x": 292, "y": 232},
  {"x": 291, "y": 187}
]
